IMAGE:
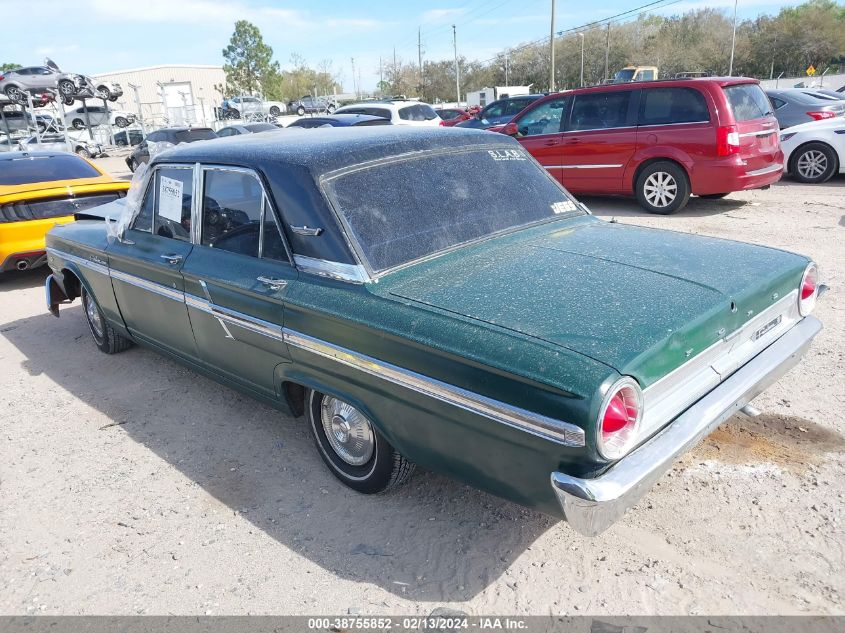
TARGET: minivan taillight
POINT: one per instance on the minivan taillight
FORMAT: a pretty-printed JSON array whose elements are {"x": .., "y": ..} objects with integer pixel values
[
  {"x": 727, "y": 140},
  {"x": 821, "y": 114}
]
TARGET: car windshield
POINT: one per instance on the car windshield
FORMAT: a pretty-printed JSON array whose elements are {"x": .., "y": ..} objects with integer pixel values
[
  {"x": 25, "y": 170},
  {"x": 189, "y": 136},
  {"x": 441, "y": 200},
  {"x": 626, "y": 74}
]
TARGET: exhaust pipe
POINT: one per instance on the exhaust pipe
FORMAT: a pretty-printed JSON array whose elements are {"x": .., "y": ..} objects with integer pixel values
[{"x": 22, "y": 264}]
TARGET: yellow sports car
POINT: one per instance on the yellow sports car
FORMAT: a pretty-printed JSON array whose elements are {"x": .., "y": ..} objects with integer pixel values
[{"x": 39, "y": 190}]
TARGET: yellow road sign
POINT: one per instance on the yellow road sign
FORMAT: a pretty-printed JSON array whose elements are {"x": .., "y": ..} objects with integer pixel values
[{"x": 811, "y": 70}]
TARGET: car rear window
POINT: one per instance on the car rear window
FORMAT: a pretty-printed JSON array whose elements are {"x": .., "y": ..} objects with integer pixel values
[
  {"x": 438, "y": 200},
  {"x": 382, "y": 112},
  {"x": 32, "y": 169},
  {"x": 418, "y": 112},
  {"x": 189, "y": 136},
  {"x": 748, "y": 101},
  {"x": 662, "y": 106}
]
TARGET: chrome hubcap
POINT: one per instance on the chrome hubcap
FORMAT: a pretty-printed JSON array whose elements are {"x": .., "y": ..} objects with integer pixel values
[
  {"x": 812, "y": 164},
  {"x": 93, "y": 316},
  {"x": 349, "y": 432},
  {"x": 660, "y": 189}
]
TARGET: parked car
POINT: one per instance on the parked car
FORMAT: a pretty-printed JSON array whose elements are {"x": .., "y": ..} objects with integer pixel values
[
  {"x": 33, "y": 79},
  {"x": 399, "y": 112},
  {"x": 237, "y": 107},
  {"x": 476, "y": 321},
  {"x": 453, "y": 116},
  {"x": 312, "y": 105},
  {"x": 97, "y": 115},
  {"x": 660, "y": 140},
  {"x": 21, "y": 121},
  {"x": 39, "y": 189},
  {"x": 57, "y": 143},
  {"x": 246, "y": 128},
  {"x": 814, "y": 151},
  {"x": 128, "y": 137},
  {"x": 340, "y": 120},
  {"x": 167, "y": 135},
  {"x": 499, "y": 112},
  {"x": 794, "y": 106}
]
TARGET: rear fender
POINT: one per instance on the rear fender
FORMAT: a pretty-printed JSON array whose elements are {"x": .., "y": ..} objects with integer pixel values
[{"x": 646, "y": 155}]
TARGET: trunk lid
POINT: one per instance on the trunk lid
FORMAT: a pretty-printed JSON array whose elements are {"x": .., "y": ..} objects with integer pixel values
[
  {"x": 642, "y": 301},
  {"x": 759, "y": 143}
]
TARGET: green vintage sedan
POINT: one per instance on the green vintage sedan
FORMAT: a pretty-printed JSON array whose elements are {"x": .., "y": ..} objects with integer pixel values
[{"x": 434, "y": 297}]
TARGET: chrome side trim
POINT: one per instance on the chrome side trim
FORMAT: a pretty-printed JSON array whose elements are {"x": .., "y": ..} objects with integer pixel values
[
  {"x": 582, "y": 166},
  {"x": 151, "y": 286},
  {"x": 233, "y": 317},
  {"x": 557, "y": 431},
  {"x": 765, "y": 170},
  {"x": 675, "y": 391},
  {"x": 592, "y": 505},
  {"x": 96, "y": 266},
  {"x": 759, "y": 133},
  {"x": 672, "y": 124},
  {"x": 335, "y": 270}
]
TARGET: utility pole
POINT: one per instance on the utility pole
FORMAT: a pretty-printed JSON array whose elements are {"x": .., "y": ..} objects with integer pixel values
[
  {"x": 354, "y": 85},
  {"x": 606, "y": 52},
  {"x": 380, "y": 73},
  {"x": 552, "y": 51},
  {"x": 582, "y": 58},
  {"x": 457, "y": 70},
  {"x": 419, "y": 59},
  {"x": 733, "y": 44},
  {"x": 507, "y": 63}
]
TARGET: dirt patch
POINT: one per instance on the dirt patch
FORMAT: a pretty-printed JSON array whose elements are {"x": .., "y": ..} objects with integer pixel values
[{"x": 789, "y": 442}]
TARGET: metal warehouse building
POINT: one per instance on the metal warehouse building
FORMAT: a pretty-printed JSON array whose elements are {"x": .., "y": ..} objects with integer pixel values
[{"x": 170, "y": 94}]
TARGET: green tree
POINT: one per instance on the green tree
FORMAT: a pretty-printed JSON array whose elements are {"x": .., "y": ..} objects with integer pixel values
[
  {"x": 249, "y": 63},
  {"x": 8, "y": 66}
]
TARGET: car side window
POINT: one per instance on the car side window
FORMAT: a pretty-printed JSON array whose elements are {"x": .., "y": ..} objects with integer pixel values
[
  {"x": 661, "y": 106},
  {"x": 494, "y": 110},
  {"x": 547, "y": 118},
  {"x": 144, "y": 220},
  {"x": 515, "y": 106},
  {"x": 777, "y": 104},
  {"x": 600, "y": 110},
  {"x": 173, "y": 203}
]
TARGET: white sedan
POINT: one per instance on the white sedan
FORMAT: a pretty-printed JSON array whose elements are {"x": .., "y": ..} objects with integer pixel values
[
  {"x": 813, "y": 151},
  {"x": 97, "y": 116}
]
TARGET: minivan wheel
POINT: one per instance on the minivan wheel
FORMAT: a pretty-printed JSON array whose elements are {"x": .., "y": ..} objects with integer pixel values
[
  {"x": 352, "y": 448},
  {"x": 662, "y": 188},
  {"x": 814, "y": 163}
]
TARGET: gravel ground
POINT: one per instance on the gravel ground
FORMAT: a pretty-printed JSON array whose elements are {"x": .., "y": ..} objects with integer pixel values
[{"x": 130, "y": 485}]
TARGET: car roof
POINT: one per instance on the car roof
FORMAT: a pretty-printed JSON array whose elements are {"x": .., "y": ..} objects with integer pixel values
[
  {"x": 345, "y": 118},
  {"x": 325, "y": 150}
]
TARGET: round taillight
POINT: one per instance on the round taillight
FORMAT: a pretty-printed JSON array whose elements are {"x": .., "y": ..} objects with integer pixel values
[
  {"x": 619, "y": 418},
  {"x": 808, "y": 290}
]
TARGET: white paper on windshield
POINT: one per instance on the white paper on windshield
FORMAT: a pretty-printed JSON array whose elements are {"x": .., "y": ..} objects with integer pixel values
[{"x": 170, "y": 199}]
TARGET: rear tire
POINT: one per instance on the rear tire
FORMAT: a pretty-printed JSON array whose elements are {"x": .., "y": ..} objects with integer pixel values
[
  {"x": 81, "y": 151},
  {"x": 356, "y": 453},
  {"x": 300, "y": 111},
  {"x": 663, "y": 188},
  {"x": 814, "y": 163},
  {"x": 15, "y": 94},
  {"x": 105, "y": 337},
  {"x": 121, "y": 122},
  {"x": 78, "y": 124},
  {"x": 274, "y": 111}
]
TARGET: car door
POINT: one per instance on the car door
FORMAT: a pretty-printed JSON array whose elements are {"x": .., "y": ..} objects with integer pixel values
[
  {"x": 146, "y": 262},
  {"x": 41, "y": 77},
  {"x": 599, "y": 140},
  {"x": 539, "y": 131},
  {"x": 236, "y": 278}
]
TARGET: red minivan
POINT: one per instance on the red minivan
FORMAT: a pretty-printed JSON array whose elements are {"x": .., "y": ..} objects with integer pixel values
[{"x": 658, "y": 140}]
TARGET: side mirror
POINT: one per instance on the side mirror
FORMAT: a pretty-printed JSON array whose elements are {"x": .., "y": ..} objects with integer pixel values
[{"x": 511, "y": 129}]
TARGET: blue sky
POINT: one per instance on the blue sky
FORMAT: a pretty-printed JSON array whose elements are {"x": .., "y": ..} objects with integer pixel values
[{"x": 91, "y": 36}]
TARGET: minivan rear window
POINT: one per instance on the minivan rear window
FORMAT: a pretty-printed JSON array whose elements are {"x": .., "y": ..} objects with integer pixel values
[
  {"x": 748, "y": 101},
  {"x": 663, "y": 106}
]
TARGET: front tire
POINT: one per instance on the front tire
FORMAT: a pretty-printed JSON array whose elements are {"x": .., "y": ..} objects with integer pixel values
[
  {"x": 300, "y": 111},
  {"x": 67, "y": 88},
  {"x": 353, "y": 449},
  {"x": 105, "y": 337},
  {"x": 81, "y": 151},
  {"x": 78, "y": 124},
  {"x": 814, "y": 163},
  {"x": 15, "y": 94},
  {"x": 663, "y": 188},
  {"x": 121, "y": 122},
  {"x": 274, "y": 111}
]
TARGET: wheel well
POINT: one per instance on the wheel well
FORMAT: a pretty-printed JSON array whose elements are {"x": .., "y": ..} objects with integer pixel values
[
  {"x": 651, "y": 161},
  {"x": 295, "y": 396},
  {"x": 794, "y": 155},
  {"x": 71, "y": 283}
]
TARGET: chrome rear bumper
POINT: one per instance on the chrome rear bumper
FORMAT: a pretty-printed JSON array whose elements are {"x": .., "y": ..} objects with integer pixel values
[{"x": 592, "y": 505}]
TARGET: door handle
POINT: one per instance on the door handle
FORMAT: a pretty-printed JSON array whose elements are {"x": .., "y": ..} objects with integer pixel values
[
  {"x": 273, "y": 284},
  {"x": 550, "y": 142},
  {"x": 172, "y": 258},
  {"x": 573, "y": 141}
]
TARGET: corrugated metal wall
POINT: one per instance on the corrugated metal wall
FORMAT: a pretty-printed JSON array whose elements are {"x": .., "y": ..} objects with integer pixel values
[{"x": 171, "y": 94}]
